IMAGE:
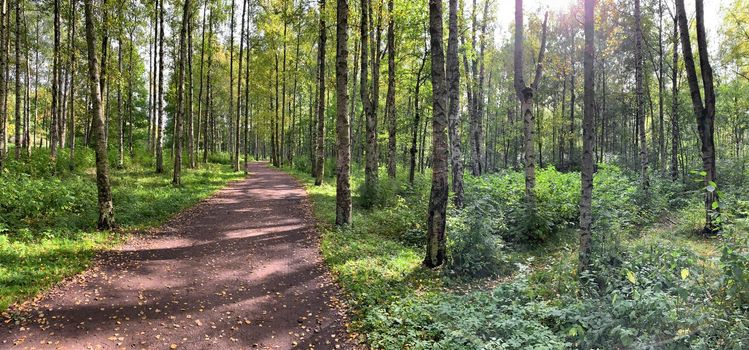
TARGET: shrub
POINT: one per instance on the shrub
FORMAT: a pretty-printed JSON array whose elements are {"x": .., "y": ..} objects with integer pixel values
[{"x": 472, "y": 248}]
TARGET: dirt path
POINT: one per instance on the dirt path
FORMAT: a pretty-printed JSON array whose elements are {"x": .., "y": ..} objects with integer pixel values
[{"x": 240, "y": 270}]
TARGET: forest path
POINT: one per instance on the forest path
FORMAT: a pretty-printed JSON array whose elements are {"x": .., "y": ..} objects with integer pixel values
[{"x": 241, "y": 269}]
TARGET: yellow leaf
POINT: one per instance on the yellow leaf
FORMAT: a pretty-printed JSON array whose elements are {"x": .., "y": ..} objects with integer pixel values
[
  {"x": 631, "y": 277},
  {"x": 684, "y": 273}
]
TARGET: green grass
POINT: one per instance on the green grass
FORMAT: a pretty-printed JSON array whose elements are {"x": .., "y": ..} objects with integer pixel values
[
  {"x": 47, "y": 223},
  {"x": 374, "y": 267}
]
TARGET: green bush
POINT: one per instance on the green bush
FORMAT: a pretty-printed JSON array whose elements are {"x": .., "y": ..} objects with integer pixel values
[{"x": 473, "y": 249}]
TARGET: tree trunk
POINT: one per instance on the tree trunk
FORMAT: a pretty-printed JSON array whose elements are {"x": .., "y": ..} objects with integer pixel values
[
  {"x": 436, "y": 249},
  {"x": 120, "y": 115},
  {"x": 17, "y": 107},
  {"x": 705, "y": 112},
  {"x": 53, "y": 128},
  {"x": 320, "y": 139},
  {"x": 645, "y": 181},
  {"x": 189, "y": 116},
  {"x": 587, "y": 166},
  {"x": 206, "y": 113},
  {"x": 525, "y": 95},
  {"x": 390, "y": 100},
  {"x": 343, "y": 163},
  {"x": 233, "y": 156},
  {"x": 106, "y": 209},
  {"x": 160, "y": 94},
  {"x": 675, "y": 103},
  {"x": 180, "y": 115},
  {"x": 453, "y": 112},
  {"x": 239, "y": 88},
  {"x": 200, "y": 80},
  {"x": 417, "y": 118}
]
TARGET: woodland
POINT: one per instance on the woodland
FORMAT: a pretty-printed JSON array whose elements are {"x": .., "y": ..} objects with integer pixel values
[{"x": 483, "y": 174}]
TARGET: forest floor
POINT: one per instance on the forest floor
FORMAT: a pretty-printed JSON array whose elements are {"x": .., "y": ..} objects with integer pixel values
[{"x": 240, "y": 270}]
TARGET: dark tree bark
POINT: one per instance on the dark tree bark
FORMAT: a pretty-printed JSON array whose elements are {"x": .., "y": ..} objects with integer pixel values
[
  {"x": 160, "y": 94},
  {"x": 234, "y": 156},
  {"x": 369, "y": 95},
  {"x": 343, "y": 163},
  {"x": 705, "y": 112},
  {"x": 644, "y": 178},
  {"x": 525, "y": 95},
  {"x": 71, "y": 142},
  {"x": 18, "y": 109},
  {"x": 180, "y": 115},
  {"x": 390, "y": 100},
  {"x": 206, "y": 113},
  {"x": 453, "y": 81},
  {"x": 200, "y": 80},
  {"x": 106, "y": 209},
  {"x": 320, "y": 140},
  {"x": 675, "y": 103},
  {"x": 417, "y": 118},
  {"x": 120, "y": 115},
  {"x": 436, "y": 249},
  {"x": 587, "y": 166},
  {"x": 53, "y": 128},
  {"x": 189, "y": 115},
  {"x": 239, "y": 88}
]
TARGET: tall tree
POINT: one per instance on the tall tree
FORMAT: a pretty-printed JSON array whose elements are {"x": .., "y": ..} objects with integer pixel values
[
  {"x": 160, "y": 92},
  {"x": 369, "y": 95},
  {"x": 239, "y": 87},
  {"x": 453, "y": 112},
  {"x": 71, "y": 108},
  {"x": 343, "y": 162},
  {"x": 525, "y": 94},
  {"x": 704, "y": 111},
  {"x": 640, "y": 101},
  {"x": 436, "y": 249},
  {"x": 180, "y": 115},
  {"x": 320, "y": 143},
  {"x": 18, "y": 107},
  {"x": 586, "y": 175},
  {"x": 675, "y": 102},
  {"x": 53, "y": 128},
  {"x": 106, "y": 209},
  {"x": 235, "y": 160},
  {"x": 390, "y": 99}
]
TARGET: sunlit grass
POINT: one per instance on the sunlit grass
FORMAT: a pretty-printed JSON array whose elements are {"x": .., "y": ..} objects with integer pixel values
[{"x": 39, "y": 248}]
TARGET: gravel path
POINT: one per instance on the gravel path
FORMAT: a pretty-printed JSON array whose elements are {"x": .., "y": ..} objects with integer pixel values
[{"x": 241, "y": 270}]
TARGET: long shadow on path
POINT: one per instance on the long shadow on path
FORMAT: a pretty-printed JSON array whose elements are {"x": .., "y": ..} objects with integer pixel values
[{"x": 240, "y": 270}]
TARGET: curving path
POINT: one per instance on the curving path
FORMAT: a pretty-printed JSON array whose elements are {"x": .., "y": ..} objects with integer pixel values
[{"x": 241, "y": 270}]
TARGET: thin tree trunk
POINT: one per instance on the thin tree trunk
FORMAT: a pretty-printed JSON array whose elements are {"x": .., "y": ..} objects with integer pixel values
[
  {"x": 343, "y": 162},
  {"x": 705, "y": 113},
  {"x": 73, "y": 50},
  {"x": 436, "y": 250},
  {"x": 390, "y": 100},
  {"x": 525, "y": 95},
  {"x": 120, "y": 115},
  {"x": 239, "y": 89},
  {"x": 453, "y": 112},
  {"x": 645, "y": 181},
  {"x": 180, "y": 115},
  {"x": 189, "y": 115},
  {"x": 17, "y": 107},
  {"x": 320, "y": 143},
  {"x": 587, "y": 165},
  {"x": 160, "y": 94},
  {"x": 675, "y": 103},
  {"x": 106, "y": 209}
]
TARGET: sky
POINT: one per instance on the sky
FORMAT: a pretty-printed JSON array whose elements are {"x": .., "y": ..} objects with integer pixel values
[{"x": 505, "y": 13}]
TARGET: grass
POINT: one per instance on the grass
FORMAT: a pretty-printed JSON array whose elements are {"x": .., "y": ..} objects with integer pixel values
[
  {"x": 374, "y": 267},
  {"x": 47, "y": 224}
]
